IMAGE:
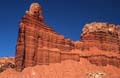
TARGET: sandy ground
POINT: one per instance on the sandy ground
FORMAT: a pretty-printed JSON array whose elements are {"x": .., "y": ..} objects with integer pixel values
[{"x": 66, "y": 69}]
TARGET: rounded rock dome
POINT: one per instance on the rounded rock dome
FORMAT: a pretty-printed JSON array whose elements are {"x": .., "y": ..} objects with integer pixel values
[
  {"x": 35, "y": 8},
  {"x": 35, "y": 4}
]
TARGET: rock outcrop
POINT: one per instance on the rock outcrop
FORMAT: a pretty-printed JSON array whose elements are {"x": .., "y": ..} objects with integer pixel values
[
  {"x": 38, "y": 44},
  {"x": 104, "y": 36},
  {"x": 36, "y": 41},
  {"x": 6, "y": 62}
]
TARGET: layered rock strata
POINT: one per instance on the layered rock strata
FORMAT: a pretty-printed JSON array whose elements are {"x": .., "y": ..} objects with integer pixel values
[
  {"x": 101, "y": 35},
  {"x": 35, "y": 39},
  {"x": 38, "y": 44}
]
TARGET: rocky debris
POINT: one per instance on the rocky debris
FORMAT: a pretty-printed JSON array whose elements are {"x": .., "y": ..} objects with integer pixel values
[
  {"x": 65, "y": 69},
  {"x": 95, "y": 75},
  {"x": 5, "y": 66},
  {"x": 6, "y": 62}
]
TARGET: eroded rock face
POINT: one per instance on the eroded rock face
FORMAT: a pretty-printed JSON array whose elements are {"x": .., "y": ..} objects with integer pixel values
[
  {"x": 38, "y": 44},
  {"x": 102, "y": 60},
  {"x": 35, "y": 40},
  {"x": 104, "y": 36}
]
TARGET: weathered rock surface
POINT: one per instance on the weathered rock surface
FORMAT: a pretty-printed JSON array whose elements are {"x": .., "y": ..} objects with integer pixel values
[
  {"x": 104, "y": 36},
  {"x": 36, "y": 41},
  {"x": 65, "y": 69},
  {"x": 6, "y": 62},
  {"x": 38, "y": 44}
]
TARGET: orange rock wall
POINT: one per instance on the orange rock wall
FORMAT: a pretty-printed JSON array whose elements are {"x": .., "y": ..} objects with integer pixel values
[
  {"x": 38, "y": 44},
  {"x": 102, "y": 60},
  {"x": 34, "y": 41},
  {"x": 54, "y": 57},
  {"x": 101, "y": 35},
  {"x": 65, "y": 56}
]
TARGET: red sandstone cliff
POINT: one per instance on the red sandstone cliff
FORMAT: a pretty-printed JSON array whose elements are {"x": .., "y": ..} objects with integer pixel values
[
  {"x": 38, "y": 44},
  {"x": 97, "y": 53},
  {"x": 36, "y": 41},
  {"x": 104, "y": 36}
]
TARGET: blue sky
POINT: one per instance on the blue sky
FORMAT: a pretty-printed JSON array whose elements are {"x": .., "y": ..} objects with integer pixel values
[{"x": 66, "y": 17}]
